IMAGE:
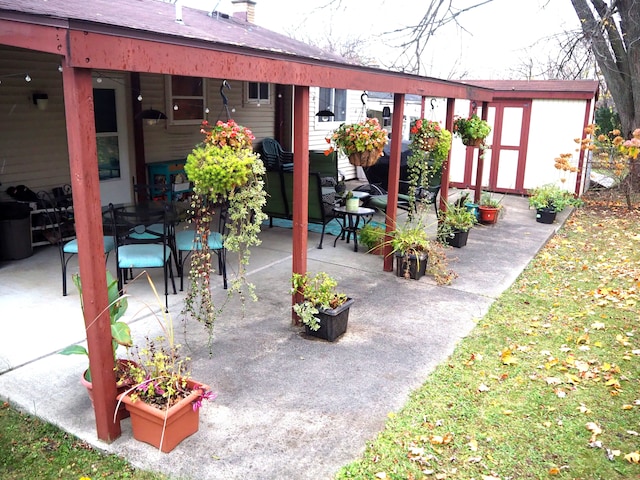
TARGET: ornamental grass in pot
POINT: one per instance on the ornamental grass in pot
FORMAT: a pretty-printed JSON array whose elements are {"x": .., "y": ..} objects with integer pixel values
[{"x": 324, "y": 311}]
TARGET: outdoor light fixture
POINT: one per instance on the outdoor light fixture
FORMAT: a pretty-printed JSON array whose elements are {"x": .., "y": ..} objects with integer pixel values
[
  {"x": 151, "y": 116},
  {"x": 325, "y": 115},
  {"x": 41, "y": 100}
]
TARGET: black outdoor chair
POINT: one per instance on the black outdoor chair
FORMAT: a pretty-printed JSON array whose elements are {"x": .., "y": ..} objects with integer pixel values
[{"x": 275, "y": 157}]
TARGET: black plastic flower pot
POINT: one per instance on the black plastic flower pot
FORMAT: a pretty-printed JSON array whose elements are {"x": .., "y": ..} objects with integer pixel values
[
  {"x": 414, "y": 266},
  {"x": 458, "y": 240},
  {"x": 333, "y": 322},
  {"x": 545, "y": 215}
]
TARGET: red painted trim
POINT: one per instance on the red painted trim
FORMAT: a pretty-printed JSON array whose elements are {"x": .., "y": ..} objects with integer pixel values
[
  {"x": 524, "y": 147},
  {"x": 41, "y": 38},
  {"x": 394, "y": 174},
  {"x": 581, "y": 155},
  {"x": 102, "y": 51},
  {"x": 83, "y": 162},
  {"x": 444, "y": 186},
  {"x": 300, "y": 185},
  {"x": 544, "y": 95}
]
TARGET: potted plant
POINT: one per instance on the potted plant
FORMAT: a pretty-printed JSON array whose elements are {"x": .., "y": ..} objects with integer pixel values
[
  {"x": 351, "y": 203},
  {"x": 227, "y": 176},
  {"x": 120, "y": 335},
  {"x": 417, "y": 255},
  {"x": 372, "y": 236},
  {"x": 163, "y": 401},
  {"x": 454, "y": 224},
  {"x": 472, "y": 130},
  {"x": 323, "y": 311},
  {"x": 409, "y": 244},
  {"x": 362, "y": 142},
  {"x": 430, "y": 145},
  {"x": 550, "y": 199},
  {"x": 489, "y": 208}
]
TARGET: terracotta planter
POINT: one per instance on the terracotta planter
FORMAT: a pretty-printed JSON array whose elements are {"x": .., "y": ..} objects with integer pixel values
[
  {"x": 120, "y": 388},
  {"x": 488, "y": 215},
  {"x": 333, "y": 322},
  {"x": 165, "y": 429}
]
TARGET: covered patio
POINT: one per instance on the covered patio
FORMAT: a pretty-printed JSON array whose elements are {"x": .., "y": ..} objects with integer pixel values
[
  {"x": 116, "y": 37},
  {"x": 288, "y": 406}
]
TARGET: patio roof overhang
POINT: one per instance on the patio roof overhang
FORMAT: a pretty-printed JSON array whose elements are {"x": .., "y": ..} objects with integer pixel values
[{"x": 115, "y": 42}]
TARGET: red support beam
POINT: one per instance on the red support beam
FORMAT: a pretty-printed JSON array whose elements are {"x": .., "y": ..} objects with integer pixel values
[
  {"x": 444, "y": 186},
  {"x": 300, "y": 185},
  {"x": 83, "y": 162},
  {"x": 586, "y": 121},
  {"x": 394, "y": 174},
  {"x": 479, "y": 170}
]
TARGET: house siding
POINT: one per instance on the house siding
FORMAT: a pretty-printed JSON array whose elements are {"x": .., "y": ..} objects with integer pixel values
[{"x": 33, "y": 143}]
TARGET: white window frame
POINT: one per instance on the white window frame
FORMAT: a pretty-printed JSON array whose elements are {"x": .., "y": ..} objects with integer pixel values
[
  {"x": 332, "y": 106},
  {"x": 257, "y": 101},
  {"x": 194, "y": 98}
]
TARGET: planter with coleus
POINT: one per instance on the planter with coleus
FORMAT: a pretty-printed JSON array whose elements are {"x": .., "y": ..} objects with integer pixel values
[
  {"x": 489, "y": 208},
  {"x": 324, "y": 311},
  {"x": 472, "y": 130},
  {"x": 362, "y": 142},
  {"x": 430, "y": 145},
  {"x": 227, "y": 177}
]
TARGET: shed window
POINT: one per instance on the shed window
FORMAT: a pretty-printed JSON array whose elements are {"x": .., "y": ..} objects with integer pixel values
[{"x": 187, "y": 100}]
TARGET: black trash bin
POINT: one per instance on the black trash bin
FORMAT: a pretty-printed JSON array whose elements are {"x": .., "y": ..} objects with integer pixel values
[{"x": 15, "y": 231}]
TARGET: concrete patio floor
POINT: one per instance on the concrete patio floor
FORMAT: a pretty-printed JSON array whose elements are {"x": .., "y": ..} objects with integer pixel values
[{"x": 288, "y": 406}]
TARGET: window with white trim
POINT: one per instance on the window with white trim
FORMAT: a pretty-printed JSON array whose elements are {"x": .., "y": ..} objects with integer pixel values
[
  {"x": 335, "y": 100},
  {"x": 258, "y": 93},
  {"x": 187, "y": 100}
]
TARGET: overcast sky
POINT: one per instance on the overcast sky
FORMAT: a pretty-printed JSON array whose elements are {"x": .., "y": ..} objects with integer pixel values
[{"x": 496, "y": 38}]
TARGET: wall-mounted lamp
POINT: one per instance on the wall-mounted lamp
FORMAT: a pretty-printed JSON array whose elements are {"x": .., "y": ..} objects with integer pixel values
[
  {"x": 41, "y": 100},
  {"x": 325, "y": 115},
  {"x": 151, "y": 116}
]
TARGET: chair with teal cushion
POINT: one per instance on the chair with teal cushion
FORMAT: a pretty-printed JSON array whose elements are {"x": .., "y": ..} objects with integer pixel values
[
  {"x": 188, "y": 241},
  {"x": 143, "y": 239},
  {"x": 60, "y": 231}
]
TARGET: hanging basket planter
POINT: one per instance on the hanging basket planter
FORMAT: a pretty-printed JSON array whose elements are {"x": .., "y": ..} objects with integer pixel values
[
  {"x": 366, "y": 158},
  {"x": 472, "y": 142}
]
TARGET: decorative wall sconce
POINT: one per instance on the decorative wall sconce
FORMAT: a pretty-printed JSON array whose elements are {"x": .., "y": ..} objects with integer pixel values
[
  {"x": 325, "y": 115},
  {"x": 151, "y": 116},
  {"x": 41, "y": 100}
]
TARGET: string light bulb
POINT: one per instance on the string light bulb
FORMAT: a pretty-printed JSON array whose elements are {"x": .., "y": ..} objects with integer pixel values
[
  {"x": 139, "y": 97},
  {"x": 27, "y": 78},
  {"x": 175, "y": 108}
]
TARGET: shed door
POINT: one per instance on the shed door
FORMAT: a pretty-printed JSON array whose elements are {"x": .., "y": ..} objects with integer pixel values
[{"x": 505, "y": 161}]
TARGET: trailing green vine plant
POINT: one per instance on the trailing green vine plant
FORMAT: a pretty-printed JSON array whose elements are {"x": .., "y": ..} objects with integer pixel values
[
  {"x": 227, "y": 178},
  {"x": 430, "y": 145}
]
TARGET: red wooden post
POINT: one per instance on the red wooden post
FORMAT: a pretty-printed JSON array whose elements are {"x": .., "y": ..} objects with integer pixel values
[
  {"x": 300, "y": 185},
  {"x": 444, "y": 186},
  {"x": 83, "y": 162},
  {"x": 394, "y": 174},
  {"x": 479, "y": 170}
]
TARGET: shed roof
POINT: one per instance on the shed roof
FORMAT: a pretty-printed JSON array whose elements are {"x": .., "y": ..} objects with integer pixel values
[{"x": 582, "y": 89}]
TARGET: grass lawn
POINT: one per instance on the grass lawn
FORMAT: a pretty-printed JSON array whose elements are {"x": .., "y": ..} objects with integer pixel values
[{"x": 546, "y": 386}]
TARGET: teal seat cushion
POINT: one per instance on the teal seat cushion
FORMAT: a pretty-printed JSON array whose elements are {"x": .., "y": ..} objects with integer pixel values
[
  {"x": 72, "y": 246},
  {"x": 378, "y": 202},
  {"x": 186, "y": 241},
  {"x": 142, "y": 256}
]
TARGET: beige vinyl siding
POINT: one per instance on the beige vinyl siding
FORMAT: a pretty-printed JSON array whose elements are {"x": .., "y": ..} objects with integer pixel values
[
  {"x": 33, "y": 143},
  {"x": 164, "y": 142}
]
